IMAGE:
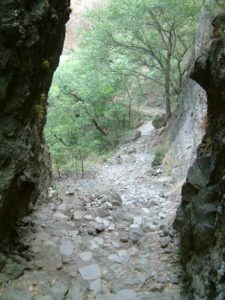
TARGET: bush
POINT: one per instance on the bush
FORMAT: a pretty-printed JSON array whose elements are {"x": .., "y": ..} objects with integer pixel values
[{"x": 158, "y": 156}]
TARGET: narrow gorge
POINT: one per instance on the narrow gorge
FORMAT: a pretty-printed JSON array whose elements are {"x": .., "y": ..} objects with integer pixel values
[{"x": 122, "y": 229}]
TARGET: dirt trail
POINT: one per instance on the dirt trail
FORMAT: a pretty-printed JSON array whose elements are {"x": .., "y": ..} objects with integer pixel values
[{"x": 108, "y": 236}]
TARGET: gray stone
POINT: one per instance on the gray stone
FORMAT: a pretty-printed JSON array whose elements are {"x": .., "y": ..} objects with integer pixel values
[
  {"x": 91, "y": 230},
  {"x": 99, "y": 241},
  {"x": 90, "y": 272},
  {"x": 85, "y": 256},
  {"x": 69, "y": 192},
  {"x": 159, "y": 121},
  {"x": 14, "y": 270},
  {"x": 62, "y": 207},
  {"x": 100, "y": 227},
  {"x": 60, "y": 216},
  {"x": 120, "y": 257},
  {"x": 17, "y": 294},
  {"x": 66, "y": 248},
  {"x": 78, "y": 290},
  {"x": 135, "y": 234},
  {"x": 165, "y": 242},
  {"x": 60, "y": 289},
  {"x": 124, "y": 237},
  {"x": 96, "y": 286},
  {"x": 127, "y": 294},
  {"x": 78, "y": 215},
  {"x": 174, "y": 279}
]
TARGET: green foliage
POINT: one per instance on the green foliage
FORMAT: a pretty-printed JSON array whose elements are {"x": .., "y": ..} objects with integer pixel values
[
  {"x": 96, "y": 94},
  {"x": 159, "y": 155}
]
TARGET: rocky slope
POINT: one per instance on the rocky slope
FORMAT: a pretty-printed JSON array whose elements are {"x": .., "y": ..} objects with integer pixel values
[
  {"x": 31, "y": 41},
  {"x": 200, "y": 218},
  {"x": 106, "y": 237}
]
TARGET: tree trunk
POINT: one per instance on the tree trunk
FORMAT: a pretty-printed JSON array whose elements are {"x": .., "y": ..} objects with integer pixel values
[{"x": 167, "y": 87}]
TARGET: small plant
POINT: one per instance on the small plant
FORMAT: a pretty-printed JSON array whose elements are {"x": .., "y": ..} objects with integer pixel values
[
  {"x": 45, "y": 64},
  {"x": 43, "y": 97},
  {"x": 70, "y": 9},
  {"x": 39, "y": 111},
  {"x": 158, "y": 156}
]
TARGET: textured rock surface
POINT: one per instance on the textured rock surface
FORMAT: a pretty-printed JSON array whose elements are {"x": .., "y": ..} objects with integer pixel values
[
  {"x": 200, "y": 218},
  {"x": 187, "y": 125},
  {"x": 31, "y": 41}
]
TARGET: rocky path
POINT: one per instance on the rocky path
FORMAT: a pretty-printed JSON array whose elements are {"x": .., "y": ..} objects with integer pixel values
[{"x": 105, "y": 237}]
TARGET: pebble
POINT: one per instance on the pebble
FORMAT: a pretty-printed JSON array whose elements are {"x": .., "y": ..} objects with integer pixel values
[
  {"x": 100, "y": 227},
  {"x": 164, "y": 242},
  {"x": 69, "y": 193},
  {"x": 91, "y": 231},
  {"x": 111, "y": 227},
  {"x": 124, "y": 237},
  {"x": 90, "y": 272},
  {"x": 88, "y": 217}
]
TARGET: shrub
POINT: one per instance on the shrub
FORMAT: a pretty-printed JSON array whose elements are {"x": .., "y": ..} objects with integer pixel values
[{"x": 160, "y": 153}]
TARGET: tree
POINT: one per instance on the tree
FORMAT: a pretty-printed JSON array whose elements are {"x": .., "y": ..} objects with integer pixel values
[{"x": 153, "y": 36}]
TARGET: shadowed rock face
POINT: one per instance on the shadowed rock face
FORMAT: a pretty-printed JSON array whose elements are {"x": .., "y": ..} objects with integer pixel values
[
  {"x": 31, "y": 40},
  {"x": 201, "y": 217}
]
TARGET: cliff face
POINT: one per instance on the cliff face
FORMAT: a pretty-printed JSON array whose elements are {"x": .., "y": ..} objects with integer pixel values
[
  {"x": 31, "y": 40},
  {"x": 187, "y": 127},
  {"x": 201, "y": 217}
]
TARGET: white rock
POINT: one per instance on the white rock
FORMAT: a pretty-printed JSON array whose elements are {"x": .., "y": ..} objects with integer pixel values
[
  {"x": 99, "y": 220},
  {"x": 93, "y": 245},
  {"x": 138, "y": 220},
  {"x": 145, "y": 210},
  {"x": 51, "y": 192},
  {"x": 96, "y": 286},
  {"x": 106, "y": 223},
  {"x": 111, "y": 227},
  {"x": 85, "y": 256},
  {"x": 134, "y": 226},
  {"x": 91, "y": 272},
  {"x": 88, "y": 217},
  {"x": 62, "y": 207},
  {"x": 60, "y": 216},
  {"x": 78, "y": 215},
  {"x": 115, "y": 244}
]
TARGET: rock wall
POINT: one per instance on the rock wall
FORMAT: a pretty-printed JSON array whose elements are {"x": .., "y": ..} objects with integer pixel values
[
  {"x": 187, "y": 126},
  {"x": 201, "y": 216},
  {"x": 31, "y": 40}
]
